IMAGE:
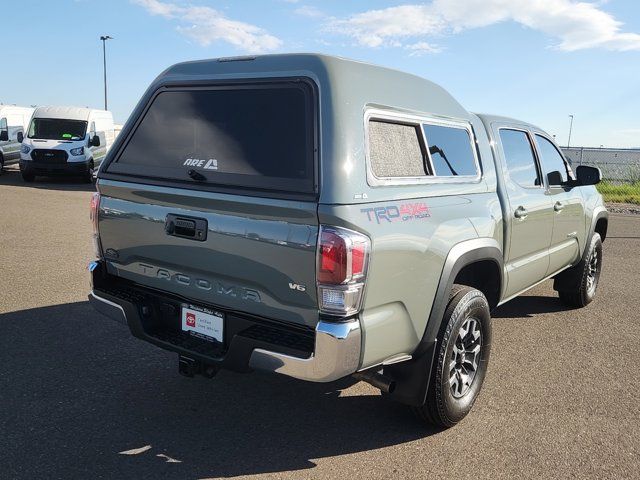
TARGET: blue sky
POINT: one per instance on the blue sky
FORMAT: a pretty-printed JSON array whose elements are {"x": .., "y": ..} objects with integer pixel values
[{"x": 539, "y": 60}]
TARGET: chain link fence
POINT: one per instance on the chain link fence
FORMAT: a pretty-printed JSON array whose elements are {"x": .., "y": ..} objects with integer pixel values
[{"x": 620, "y": 165}]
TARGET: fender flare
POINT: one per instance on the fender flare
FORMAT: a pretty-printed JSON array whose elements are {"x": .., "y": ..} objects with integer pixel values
[
  {"x": 598, "y": 213},
  {"x": 413, "y": 376}
]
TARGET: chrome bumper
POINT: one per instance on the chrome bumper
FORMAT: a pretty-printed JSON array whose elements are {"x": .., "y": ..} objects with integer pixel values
[
  {"x": 107, "y": 308},
  {"x": 336, "y": 355}
]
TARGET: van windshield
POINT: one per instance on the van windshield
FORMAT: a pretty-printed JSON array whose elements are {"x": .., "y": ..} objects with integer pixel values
[
  {"x": 57, "y": 129},
  {"x": 246, "y": 136}
]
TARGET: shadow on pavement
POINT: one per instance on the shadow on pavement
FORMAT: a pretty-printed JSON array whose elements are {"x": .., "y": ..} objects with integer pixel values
[
  {"x": 76, "y": 390},
  {"x": 528, "y": 306},
  {"x": 11, "y": 176}
]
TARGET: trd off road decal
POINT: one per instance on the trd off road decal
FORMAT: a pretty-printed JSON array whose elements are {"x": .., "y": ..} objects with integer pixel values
[{"x": 404, "y": 212}]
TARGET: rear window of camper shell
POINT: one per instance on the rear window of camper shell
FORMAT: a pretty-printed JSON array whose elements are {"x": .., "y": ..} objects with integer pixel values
[{"x": 248, "y": 136}]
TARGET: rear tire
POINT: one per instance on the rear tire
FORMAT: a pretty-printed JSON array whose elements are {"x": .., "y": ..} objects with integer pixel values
[
  {"x": 28, "y": 177},
  {"x": 462, "y": 357},
  {"x": 584, "y": 277}
]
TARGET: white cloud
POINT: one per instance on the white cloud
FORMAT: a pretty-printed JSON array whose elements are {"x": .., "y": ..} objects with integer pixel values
[
  {"x": 309, "y": 11},
  {"x": 575, "y": 25},
  {"x": 421, "y": 48},
  {"x": 206, "y": 25},
  {"x": 632, "y": 132}
]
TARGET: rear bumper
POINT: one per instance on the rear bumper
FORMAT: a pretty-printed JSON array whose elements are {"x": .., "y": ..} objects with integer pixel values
[
  {"x": 336, "y": 355},
  {"x": 53, "y": 169},
  {"x": 330, "y": 353}
]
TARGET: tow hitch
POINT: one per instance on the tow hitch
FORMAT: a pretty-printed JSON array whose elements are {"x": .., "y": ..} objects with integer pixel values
[{"x": 190, "y": 368}]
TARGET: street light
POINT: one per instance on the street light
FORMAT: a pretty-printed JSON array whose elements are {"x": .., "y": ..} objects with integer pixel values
[
  {"x": 104, "y": 39},
  {"x": 570, "y": 128}
]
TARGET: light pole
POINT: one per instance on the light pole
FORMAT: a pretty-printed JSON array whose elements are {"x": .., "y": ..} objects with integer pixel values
[
  {"x": 104, "y": 39},
  {"x": 570, "y": 128}
]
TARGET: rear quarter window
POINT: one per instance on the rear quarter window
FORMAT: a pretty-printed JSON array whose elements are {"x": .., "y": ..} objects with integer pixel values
[{"x": 249, "y": 136}]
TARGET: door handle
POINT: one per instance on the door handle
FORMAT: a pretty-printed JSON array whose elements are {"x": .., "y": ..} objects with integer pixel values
[
  {"x": 558, "y": 206},
  {"x": 521, "y": 212},
  {"x": 186, "y": 227}
]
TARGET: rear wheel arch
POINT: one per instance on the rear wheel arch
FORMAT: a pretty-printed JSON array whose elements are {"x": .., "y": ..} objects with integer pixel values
[
  {"x": 484, "y": 275},
  {"x": 463, "y": 262}
]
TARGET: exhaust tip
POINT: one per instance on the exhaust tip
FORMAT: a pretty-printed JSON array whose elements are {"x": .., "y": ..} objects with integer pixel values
[{"x": 378, "y": 380}]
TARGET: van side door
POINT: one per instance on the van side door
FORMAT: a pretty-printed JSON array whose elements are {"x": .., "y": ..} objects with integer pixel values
[
  {"x": 569, "y": 221},
  {"x": 100, "y": 151},
  {"x": 530, "y": 212},
  {"x": 10, "y": 147}
]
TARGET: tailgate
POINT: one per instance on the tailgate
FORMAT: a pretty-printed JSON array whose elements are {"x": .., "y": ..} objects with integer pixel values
[{"x": 258, "y": 257}]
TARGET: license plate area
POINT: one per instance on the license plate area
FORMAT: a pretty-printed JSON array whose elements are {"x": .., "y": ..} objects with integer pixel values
[{"x": 203, "y": 323}]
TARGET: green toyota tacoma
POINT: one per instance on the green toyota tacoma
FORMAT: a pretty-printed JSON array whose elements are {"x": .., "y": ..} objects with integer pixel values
[{"x": 322, "y": 218}]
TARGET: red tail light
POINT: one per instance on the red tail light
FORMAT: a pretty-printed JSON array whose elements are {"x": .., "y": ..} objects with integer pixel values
[
  {"x": 333, "y": 258},
  {"x": 342, "y": 266},
  {"x": 94, "y": 211}
]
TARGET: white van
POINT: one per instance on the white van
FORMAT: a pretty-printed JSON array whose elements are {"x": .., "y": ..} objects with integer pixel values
[
  {"x": 66, "y": 141},
  {"x": 13, "y": 124}
]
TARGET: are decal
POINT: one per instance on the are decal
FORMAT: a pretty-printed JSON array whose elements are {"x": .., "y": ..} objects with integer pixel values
[
  {"x": 404, "y": 212},
  {"x": 211, "y": 164}
]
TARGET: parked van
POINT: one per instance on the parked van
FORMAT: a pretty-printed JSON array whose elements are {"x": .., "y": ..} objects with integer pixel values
[
  {"x": 66, "y": 141},
  {"x": 13, "y": 124}
]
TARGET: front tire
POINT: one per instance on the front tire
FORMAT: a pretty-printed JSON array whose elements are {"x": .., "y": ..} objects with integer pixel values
[
  {"x": 584, "y": 277},
  {"x": 88, "y": 176},
  {"x": 462, "y": 356}
]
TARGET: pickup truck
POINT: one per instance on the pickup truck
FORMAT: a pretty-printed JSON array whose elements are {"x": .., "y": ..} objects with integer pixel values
[{"x": 325, "y": 218}]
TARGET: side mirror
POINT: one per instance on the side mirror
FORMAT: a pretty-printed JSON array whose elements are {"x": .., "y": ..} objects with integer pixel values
[
  {"x": 4, "y": 135},
  {"x": 587, "y": 175},
  {"x": 95, "y": 141},
  {"x": 20, "y": 137},
  {"x": 554, "y": 179}
]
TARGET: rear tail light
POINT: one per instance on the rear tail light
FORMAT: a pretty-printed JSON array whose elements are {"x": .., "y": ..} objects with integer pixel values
[
  {"x": 343, "y": 257},
  {"x": 93, "y": 215}
]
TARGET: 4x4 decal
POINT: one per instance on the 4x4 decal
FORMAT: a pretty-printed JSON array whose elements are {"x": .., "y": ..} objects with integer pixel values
[{"x": 403, "y": 212}]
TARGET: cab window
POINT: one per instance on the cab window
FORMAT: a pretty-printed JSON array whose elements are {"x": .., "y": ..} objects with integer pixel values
[
  {"x": 519, "y": 158},
  {"x": 552, "y": 160},
  {"x": 3, "y": 125}
]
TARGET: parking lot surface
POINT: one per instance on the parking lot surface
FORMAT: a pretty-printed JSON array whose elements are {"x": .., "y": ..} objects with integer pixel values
[{"x": 81, "y": 398}]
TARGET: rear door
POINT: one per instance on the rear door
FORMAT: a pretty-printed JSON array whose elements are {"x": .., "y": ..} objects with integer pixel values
[
  {"x": 529, "y": 211},
  {"x": 213, "y": 196},
  {"x": 568, "y": 208}
]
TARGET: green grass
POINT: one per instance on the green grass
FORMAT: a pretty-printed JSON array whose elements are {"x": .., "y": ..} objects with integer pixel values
[{"x": 620, "y": 192}]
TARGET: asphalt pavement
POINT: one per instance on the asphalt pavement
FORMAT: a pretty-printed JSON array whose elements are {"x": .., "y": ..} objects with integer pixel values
[{"x": 81, "y": 398}]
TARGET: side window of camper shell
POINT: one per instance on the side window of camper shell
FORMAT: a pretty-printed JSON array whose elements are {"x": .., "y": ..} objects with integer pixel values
[{"x": 415, "y": 150}]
